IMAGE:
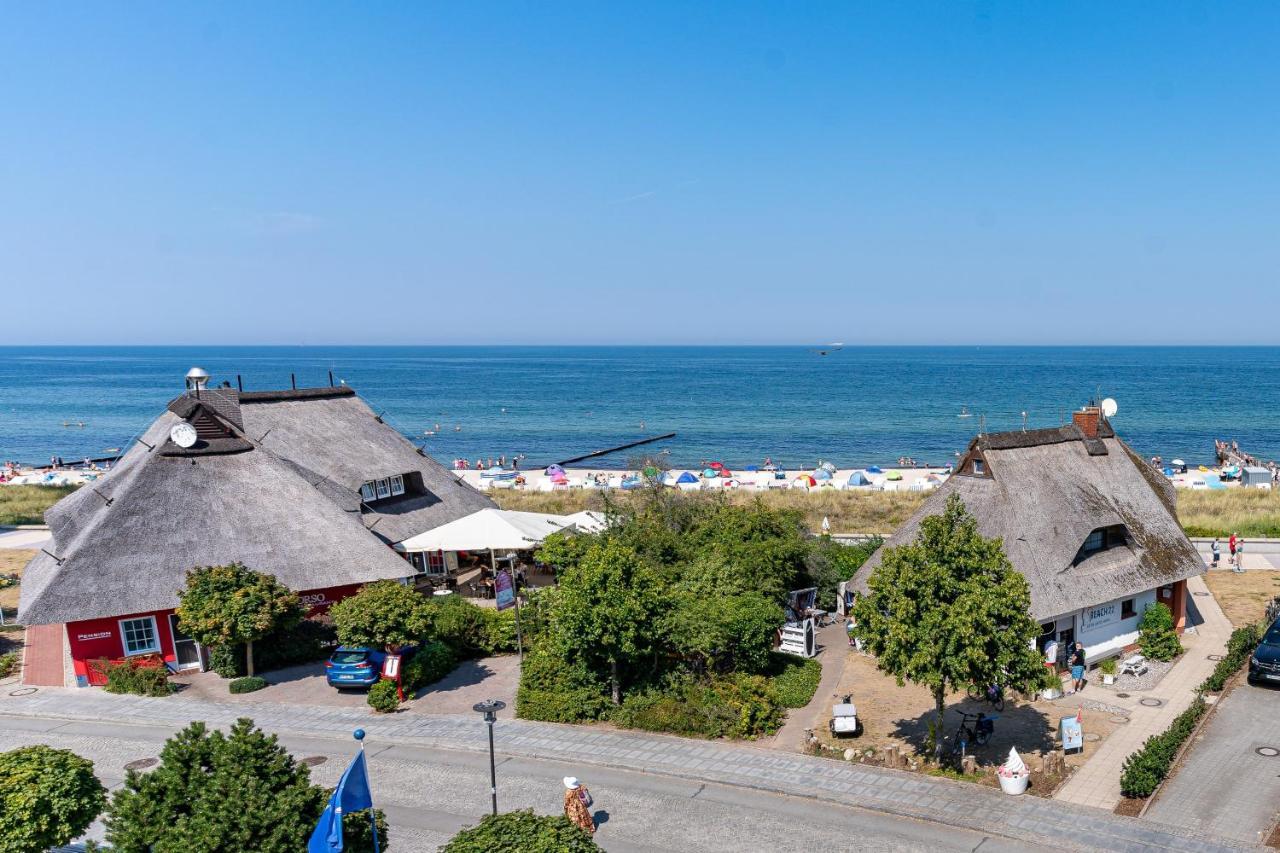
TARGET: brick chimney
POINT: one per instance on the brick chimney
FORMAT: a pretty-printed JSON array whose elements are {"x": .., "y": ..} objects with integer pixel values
[{"x": 1087, "y": 420}]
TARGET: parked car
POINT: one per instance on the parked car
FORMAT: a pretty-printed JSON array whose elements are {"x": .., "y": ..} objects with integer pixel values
[
  {"x": 358, "y": 666},
  {"x": 1264, "y": 665}
]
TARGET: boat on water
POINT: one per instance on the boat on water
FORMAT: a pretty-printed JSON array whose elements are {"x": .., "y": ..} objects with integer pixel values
[{"x": 964, "y": 412}]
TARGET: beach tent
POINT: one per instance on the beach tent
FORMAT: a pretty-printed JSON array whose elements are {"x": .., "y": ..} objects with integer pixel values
[
  {"x": 1169, "y": 472},
  {"x": 709, "y": 473},
  {"x": 857, "y": 478},
  {"x": 893, "y": 475},
  {"x": 686, "y": 477},
  {"x": 632, "y": 483},
  {"x": 725, "y": 472},
  {"x": 488, "y": 530},
  {"x": 554, "y": 471},
  {"x": 874, "y": 469},
  {"x": 752, "y": 468},
  {"x": 822, "y": 474},
  {"x": 828, "y": 467}
]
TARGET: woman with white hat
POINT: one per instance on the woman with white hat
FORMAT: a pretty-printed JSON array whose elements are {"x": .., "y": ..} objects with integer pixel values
[{"x": 577, "y": 804}]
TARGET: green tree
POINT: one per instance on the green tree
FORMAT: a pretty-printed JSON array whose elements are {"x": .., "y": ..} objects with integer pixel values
[
  {"x": 723, "y": 632},
  {"x": 224, "y": 605},
  {"x": 830, "y": 562},
  {"x": 1156, "y": 635},
  {"x": 47, "y": 797},
  {"x": 606, "y": 609},
  {"x": 948, "y": 611},
  {"x": 216, "y": 792},
  {"x": 522, "y": 832},
  {"x": 384, "y": 614}
]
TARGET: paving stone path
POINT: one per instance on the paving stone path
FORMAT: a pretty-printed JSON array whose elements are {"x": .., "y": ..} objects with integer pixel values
[{"x": 960, "y": 804}]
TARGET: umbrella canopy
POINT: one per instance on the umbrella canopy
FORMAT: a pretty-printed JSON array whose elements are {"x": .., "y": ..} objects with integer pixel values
[
  {"x": 874, "y": 469},
  {"x": 857, "y": 478},
  {"x": 716, "y": 465},
  {"x": 554, "y": 470},
  {"x": 806, "y": 480},
  {"x": 822, "y": 474},
  {"x": 1177, "y": 462},
  {"x": 588, "y": 521},
  {"x": 488, "y": 529},
  {"x": 893, "y": 475},
  {"x": 686, "y": 477},
  {"x": 725, "y": 472}
]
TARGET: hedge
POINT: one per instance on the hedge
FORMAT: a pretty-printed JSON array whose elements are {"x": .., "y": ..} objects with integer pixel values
[
  {"x": 522, "y": 832},
  {"x": 735, "y": 706},
  {"x": 247, "y": 685},
  {"x": 795, "y": 679},
  {"x": 472, "y": 631},
  {"x": 556, "y": 690},
  {"x": 383, "y": 697},
  {"x": 141, "y": 676},
  {"x": 431, "y": 663},
  {"x": 8, "y": 663},
  {"x": 1145, "y": 769},
  {"x": 308, "y": 641}
]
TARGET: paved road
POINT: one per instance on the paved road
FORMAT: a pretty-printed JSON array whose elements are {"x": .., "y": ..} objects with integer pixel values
[
  {"x": 429, "y": 794},
  {"x": 1224, "y": 787},
  {"x": 893, "y": 801}
]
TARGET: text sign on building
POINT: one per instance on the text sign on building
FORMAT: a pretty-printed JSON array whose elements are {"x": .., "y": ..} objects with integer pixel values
[
  {"x": 503, "y": 591},
  {"x": 101, "y": 635},
  {"x": 1097, "y": 617}
]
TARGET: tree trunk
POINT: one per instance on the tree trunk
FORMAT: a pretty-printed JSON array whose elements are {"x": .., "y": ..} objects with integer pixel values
[
  {"x": 248, "y": 658},
  {"x": 613, "y": 679},
  {"x": 940, "y": 704}
]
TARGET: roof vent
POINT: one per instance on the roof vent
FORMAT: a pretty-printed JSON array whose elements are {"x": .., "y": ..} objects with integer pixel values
[{"x": 197, "y": 379}]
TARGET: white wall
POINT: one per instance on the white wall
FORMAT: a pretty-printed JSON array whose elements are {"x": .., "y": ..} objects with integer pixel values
[{"x": 1112, "y": 633}]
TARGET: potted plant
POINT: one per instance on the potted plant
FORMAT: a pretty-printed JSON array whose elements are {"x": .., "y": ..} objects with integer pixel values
[{"x": 1108, "y": 669}]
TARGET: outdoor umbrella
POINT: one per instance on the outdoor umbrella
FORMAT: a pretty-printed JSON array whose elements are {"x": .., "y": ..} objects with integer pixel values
[
  {"x": 725, "y": 472},
  {"x": 828, "y": 467},
  {"x": 716, "y": 465},
  {"x": 650, "y": 471},
  {"x": 806, "y": 480},
  {"x": 554, "y": 470}
]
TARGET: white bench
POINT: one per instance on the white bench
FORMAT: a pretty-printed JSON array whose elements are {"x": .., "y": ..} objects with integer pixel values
[{"x": 1134, "y": 666}]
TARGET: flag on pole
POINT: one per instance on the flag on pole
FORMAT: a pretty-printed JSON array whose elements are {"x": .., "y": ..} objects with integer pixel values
[{"x": 352, "y": 794}]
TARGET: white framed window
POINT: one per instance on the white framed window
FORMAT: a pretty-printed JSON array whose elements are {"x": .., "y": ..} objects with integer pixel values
[
  {"x": 384, "y": 489},
  {"x": 397, "y": 485},
  {"x": 979, "y": 467},
  {"x": 139, "y": 636},
  {"x": 366, "y": 492}
]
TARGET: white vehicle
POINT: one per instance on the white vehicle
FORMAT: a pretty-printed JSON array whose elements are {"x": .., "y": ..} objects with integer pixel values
[{"x": 844, "y": 718}]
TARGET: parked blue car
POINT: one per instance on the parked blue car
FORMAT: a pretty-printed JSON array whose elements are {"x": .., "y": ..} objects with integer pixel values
[{"x": 358, "y": 666}]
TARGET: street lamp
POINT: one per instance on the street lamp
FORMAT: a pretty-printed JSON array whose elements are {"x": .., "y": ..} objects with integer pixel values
[{"x": 490, "y": 708}]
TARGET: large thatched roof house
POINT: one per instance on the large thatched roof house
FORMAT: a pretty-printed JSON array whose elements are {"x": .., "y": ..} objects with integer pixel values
[
  {"x": 308, "y": 484},
  {"x": 1090, "y": 524}
]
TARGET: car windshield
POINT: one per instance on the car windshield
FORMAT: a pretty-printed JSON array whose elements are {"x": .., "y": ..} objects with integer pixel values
[
  {"x": 350, "y": 657},
  {"x": 1273, "y": 636}
]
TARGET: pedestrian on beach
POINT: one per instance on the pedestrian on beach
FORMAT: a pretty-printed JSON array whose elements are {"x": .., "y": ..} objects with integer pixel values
[
  {"x": 1077, "y": 668},
  {"x": 1217, "y": 552},
  {"x": 577, "y": 804},
  {"x": 1231, "y": 548},
  {"x": 1239, "y": 567}
]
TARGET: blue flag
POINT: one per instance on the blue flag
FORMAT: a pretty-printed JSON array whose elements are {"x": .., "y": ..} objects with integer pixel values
[{"x": 351, "y": 795}]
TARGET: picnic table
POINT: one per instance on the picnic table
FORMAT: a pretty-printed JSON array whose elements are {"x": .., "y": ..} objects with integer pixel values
[{"x": 1135, "y": 665}]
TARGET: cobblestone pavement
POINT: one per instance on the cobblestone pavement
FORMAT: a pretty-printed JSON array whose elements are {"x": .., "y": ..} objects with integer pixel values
[
  {"x": 1097, "y": 783},
  {"x": 1224, "y": 786},
  {"x": 957, "y": 804}
]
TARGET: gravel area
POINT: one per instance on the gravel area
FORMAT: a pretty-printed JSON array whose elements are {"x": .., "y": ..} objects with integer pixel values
[{"x": 1156, "y": 670}]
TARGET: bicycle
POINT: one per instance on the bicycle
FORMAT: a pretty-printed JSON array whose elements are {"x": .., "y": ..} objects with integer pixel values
[
  {"x": 974, "y": 729},
  {"x": 993, "y": 694}
]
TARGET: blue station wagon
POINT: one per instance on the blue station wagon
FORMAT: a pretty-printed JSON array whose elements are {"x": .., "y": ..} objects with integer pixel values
[{"x": 358, "y": 666}]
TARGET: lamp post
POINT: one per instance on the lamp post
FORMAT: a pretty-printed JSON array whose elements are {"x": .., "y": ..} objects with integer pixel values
[{"x": 490, "y": 708}]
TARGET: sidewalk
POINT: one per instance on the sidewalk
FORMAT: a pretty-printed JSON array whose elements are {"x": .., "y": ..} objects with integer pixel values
[
  {"x": 1097, "y": 783},
  {"x": 834, "y": 645},
  {"x": 939, "y": 801}
]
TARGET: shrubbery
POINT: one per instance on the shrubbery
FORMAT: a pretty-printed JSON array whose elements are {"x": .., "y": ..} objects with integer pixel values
[
  {"x": 522, "y": 832},
  {"x": 383, "y": 697},
  {"x": 794, "y": 679},
  {"x": 8, "y": 664},
  {"x": 1156, "y": 635},
  {"x": 141, "y": 676},
  {"x": 1145, "y": 769},
  {"x": 557, "y": 689},
  {"x": 737, "y": 706},
  {"x": 247, "y": 685},
  {"x": 1239, "y": 647},
  {"x": 307, "y": 641},
  {"x": 469, "y": 630},
  {"x": 431, "y": 663},
  {"x": 47, "y": 797}
]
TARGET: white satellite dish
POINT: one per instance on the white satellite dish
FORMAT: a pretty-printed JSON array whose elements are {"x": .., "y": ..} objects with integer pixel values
[
  {"x": 183, "y": 434},
  {"x": 1109, "y": 408}
]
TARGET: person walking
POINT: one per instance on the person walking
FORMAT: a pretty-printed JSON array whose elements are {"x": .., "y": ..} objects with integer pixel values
[
  {"x": 1239, "y": 567},
  {"x": 577, "y": 804},
  {"x": 1217, "y": 552},
  {"x": 1077, "y": 668},
  {"x": 1231, "y": 548}
]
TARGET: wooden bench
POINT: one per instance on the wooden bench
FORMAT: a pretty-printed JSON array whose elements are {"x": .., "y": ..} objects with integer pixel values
[{"x": 1134, "y": 666}]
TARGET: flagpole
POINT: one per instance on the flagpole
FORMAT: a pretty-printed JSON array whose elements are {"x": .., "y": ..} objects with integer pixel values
[{"x": 358, "y": 734}]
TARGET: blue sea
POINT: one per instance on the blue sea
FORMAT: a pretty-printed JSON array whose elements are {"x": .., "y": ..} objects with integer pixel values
[{"x": 855, "y": 406}]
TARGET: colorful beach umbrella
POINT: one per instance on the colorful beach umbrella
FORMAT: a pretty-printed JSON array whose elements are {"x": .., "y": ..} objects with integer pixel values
[
  {"x": 554, "y": 471},
  {"x": 716, "y": 465},
  {"x": 806, "y": 480}
]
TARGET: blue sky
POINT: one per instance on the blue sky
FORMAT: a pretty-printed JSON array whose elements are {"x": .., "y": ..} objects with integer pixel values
[{"x": 949, "y": 172}]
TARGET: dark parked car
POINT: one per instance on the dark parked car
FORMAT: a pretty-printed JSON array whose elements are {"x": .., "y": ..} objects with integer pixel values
[
  {"x": 358, "y": 666},
  {"x": 1265, "y": 663}
]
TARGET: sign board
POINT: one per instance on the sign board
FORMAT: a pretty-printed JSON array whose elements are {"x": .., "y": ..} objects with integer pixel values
[
  {"x": 391, "y": 668},
  {"x": 1096, "y": 617},
  {"x": 503, "y": 592},
  {"x": 1072, "y": 734}
]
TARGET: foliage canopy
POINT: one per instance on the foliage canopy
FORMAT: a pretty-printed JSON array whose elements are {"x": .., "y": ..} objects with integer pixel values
[
  {"x": 224, "y": 605},
  {"x": 47, "y": 797}
]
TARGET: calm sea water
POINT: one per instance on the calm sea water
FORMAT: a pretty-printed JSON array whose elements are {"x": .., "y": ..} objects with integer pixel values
[{"x": 737, "y": 404}]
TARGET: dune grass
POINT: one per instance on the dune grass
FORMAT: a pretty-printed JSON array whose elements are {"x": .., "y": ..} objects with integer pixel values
[
  {"x": 1212, "y": 512},
  {"x": 26, "y": 504}
]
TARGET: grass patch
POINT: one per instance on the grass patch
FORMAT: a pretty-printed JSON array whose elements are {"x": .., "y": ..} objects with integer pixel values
[
  {"x": 26, "y": 504},
  {"x": 1213, "y": 512},
  {"x": 795, "y": 679},
  {"x": 1243, "y": 596}
]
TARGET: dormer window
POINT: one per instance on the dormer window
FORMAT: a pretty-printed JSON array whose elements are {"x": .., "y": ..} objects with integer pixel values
[
  {"x": 1102, "y": 538},
  {"x": 979, "y": 467},
  {"x": 387, "y": 487}
]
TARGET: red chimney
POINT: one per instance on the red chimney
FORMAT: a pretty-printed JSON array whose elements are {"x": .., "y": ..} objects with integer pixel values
[{"x": 1087, "y": 420}]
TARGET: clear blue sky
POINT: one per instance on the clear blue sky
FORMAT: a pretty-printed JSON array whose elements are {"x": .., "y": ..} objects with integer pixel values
[{"x": 892, "y": 172}]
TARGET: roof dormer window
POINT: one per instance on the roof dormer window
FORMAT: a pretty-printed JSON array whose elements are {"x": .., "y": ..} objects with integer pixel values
[
  {"x": 386, "y": 487},
  {"x": 1101, "y": 539},
  {"x": 979, "y": 467}
]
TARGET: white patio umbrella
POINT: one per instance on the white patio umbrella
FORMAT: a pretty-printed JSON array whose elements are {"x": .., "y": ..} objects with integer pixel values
[{"x": 488, "y": 530}]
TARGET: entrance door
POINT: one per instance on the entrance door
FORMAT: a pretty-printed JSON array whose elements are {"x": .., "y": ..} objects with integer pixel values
[
  {"x": 1066, "y": 644},
  {"x": 185, "y": 649}
]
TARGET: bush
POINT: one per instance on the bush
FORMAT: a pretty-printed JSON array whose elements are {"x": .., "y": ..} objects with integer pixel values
[
  {"x": 795, "y": 680},
  {"x": 384, "y": 614},
  {"x": 8, "y": 664},
  {"x": 47, "y": 797},
  {"x": 499, "y": 631},
  {"x": 1241, "y": 645},
  {"x": 383, "y": 697},
  {"x": 522, "y": 832},
  {"x": 142, "y": 676},
  {"x": 247, "y": 685},
  {"x": 1145, "y": 769},
  {"x": 558, "y": 690},
  {"x": 1156, "y": 635},
  {"x": 1108, "y": 666},
  {"x": 737, "y": 706},
  {"x": 432, "y": 662},
  {"x": 357, "y": 831},
  {"x": 307, "y": 641},
  {"x": 459, "y": 623}
]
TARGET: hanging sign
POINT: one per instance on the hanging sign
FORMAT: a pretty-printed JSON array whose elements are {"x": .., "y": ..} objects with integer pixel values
[{"x": 504, "y": 592}]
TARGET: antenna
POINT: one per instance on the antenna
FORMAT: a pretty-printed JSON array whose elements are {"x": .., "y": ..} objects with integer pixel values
[
  {"x": 982, "y": 424},
  {"x": 1109, "y": 408},
  {"x": 1024, "y": 421}
]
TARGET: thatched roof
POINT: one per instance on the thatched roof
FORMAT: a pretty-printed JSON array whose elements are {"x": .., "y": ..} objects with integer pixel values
[
  {"x": 1043, "y": 493},
  {"x": 279, "y": 495}
]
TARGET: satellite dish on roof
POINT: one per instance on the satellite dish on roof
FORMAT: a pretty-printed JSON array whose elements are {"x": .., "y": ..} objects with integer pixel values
[
  {"x": 1109, "y": 407},
  {"x": 183, "y": 434}
]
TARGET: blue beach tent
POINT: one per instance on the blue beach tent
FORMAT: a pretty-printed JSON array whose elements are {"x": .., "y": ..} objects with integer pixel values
[
  {"x": 822, "y": 474},
  {"x": 857, "y": 478},
  {"x": 686, "y": 477},
  {"x": 874, "y": 469}
]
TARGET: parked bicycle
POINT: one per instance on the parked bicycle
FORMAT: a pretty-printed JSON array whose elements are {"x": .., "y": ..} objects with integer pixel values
[
  {"x": 993, "y": 694},
  {"x": 974, "y": 730}
]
